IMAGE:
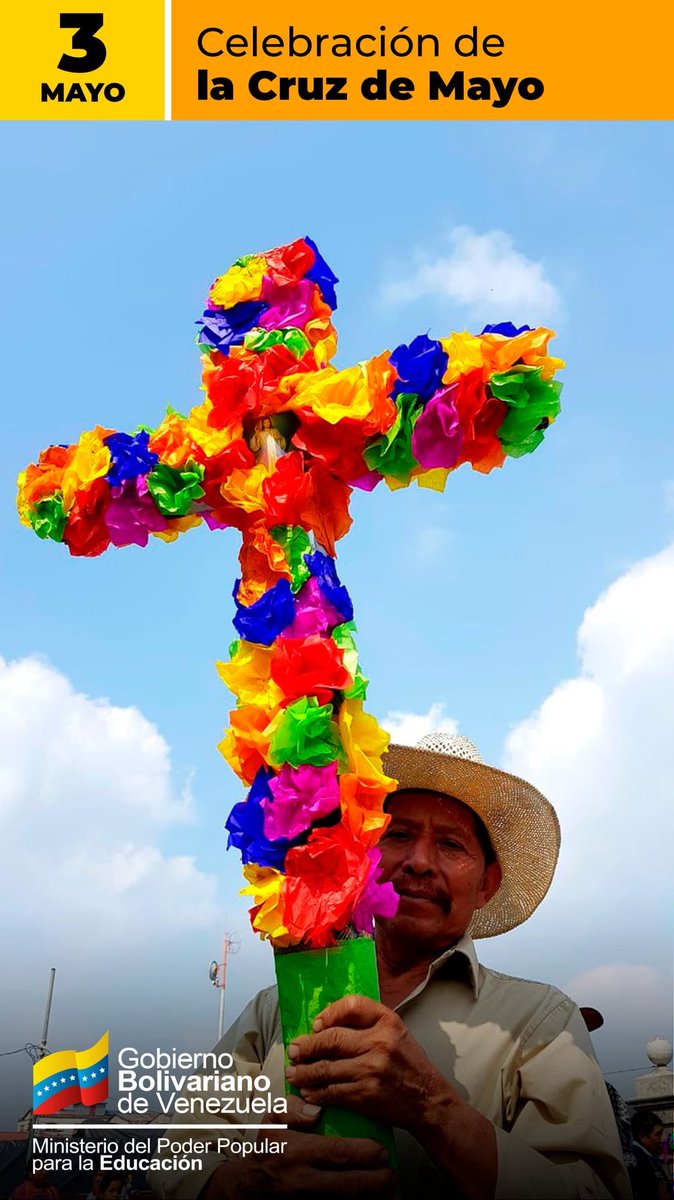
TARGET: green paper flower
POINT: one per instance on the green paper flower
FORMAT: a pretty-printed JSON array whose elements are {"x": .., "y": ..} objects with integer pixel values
[
  {"x": 295, "y": 542},
  {"x": 174, "y": 491},
  {"x": 532, "y": 404},
  {"x": 48, "y": 518},
  {"x": 304, "y": 732},
  {"x": 294, "y": 340},
  {"x": 392, "y": 454},
  {"x": 343, "y": 635}
]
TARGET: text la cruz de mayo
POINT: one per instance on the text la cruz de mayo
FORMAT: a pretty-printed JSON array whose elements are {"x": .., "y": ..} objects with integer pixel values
[{"x": 215, "y": 43}]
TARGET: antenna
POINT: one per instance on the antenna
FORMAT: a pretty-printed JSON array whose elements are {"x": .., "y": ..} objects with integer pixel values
[
  {"x": 42, "y": 1048},
  {"x": 217, "y": 973}
]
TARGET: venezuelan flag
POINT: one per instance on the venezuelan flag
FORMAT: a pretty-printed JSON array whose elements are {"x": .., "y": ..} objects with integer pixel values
[{"x": 71, "y": 1077}]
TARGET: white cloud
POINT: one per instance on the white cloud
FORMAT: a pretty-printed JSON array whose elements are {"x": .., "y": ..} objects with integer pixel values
[
  {"x": 636, "y": 1003},
  {"x": 485, "y": 274},
  {"x": 61, "y": 750},
  {"x": 406, "y": 728},
  {"x": 626, "y": 994},
  {"x": 85, "y": 790},
  {"x": 87, "y": 795},
  {"x": 600, "y": 745}
]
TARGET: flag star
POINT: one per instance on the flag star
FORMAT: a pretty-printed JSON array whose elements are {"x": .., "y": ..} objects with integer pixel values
[
  {"x": 72, "y": 1077},
  {"x": 39, "y": 1093},
  {"x": 63, "y": 1079},
  {"x": 84, "y": 1077}
]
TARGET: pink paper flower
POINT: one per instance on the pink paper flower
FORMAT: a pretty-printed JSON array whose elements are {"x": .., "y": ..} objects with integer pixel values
[
  {"x": 376, "y": 899},
  {"x": 300, "y": 796}
]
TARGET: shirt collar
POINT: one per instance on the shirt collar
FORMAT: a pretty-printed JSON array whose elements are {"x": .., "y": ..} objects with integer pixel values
[
  {"x": 465, "y": 950},
  {"x": 462, "y": 952}
]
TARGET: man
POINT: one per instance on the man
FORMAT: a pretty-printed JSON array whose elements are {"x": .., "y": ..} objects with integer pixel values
[
  {"x": 649, "y": 1181},
  {"x": 490, "y": 1081}
]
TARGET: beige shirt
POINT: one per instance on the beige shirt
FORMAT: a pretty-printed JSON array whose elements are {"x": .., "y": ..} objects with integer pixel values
[{"x": 517, "y": 1051}]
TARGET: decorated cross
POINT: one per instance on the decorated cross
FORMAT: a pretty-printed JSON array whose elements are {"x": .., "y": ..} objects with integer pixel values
[{"x": 274, "y": 450}]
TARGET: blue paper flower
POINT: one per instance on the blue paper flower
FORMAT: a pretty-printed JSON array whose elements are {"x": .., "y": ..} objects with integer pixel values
[
  {"x": 245, "y": 825},
  {"x": 420, "y": 367},
  {"x": 323, "y": 568},
  {"x": 506, "y": 328},
  {"x": 130, "y": 456},
  {"x": 264, "y": 620},
  {"x": 322, "y": 274},
  {"x": 221, "y": 328}
]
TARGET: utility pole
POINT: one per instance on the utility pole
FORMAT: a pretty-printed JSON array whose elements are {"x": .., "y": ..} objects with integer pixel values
[{"x": 217, "y": 973}]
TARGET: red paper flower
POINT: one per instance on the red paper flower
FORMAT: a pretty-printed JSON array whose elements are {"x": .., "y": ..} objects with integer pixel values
[
  {"x": 481, "y": 416},
  {"x": 247, "y": 385},
  {"x": 86, "y": 534},
  {"x": 310, "y": 666},
  {"x": 324, "y": 879},
  {"x": 288, "y": 264},
  {"x": 263, "y": 563},
  {"x": 327, "y": 513},
  {"x": 338, "y": 447},
  {"x": 312, "y": 498},
  {"x": 236, "y": 456}
]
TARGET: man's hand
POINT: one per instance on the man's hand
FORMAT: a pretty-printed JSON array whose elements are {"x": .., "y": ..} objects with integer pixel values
[
  {"x": 312, "y": 1167},
  {"x": 361, "y": 1056}
]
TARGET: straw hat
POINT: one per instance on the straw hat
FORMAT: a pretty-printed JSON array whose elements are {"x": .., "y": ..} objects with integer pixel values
[{"x": 522, "y": 825}]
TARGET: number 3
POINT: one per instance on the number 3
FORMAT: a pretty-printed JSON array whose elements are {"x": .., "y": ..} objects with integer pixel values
[{"x": 95, "y": 52}]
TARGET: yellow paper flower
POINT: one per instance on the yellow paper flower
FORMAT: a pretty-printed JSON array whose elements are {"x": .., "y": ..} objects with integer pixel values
[
  {"x": 266, "y": 889},
  {"x": 243, "y": 281},
  {"x": 362, "y": 803},
  {"x": 244, "y": 488},
  {"x": 177, "y": 525},
  {"x": 171, "y": 441},
  {"x": 246, "y": 743},
  {"x": 531, "y": 347},
  {"x": 91, "y": 460},
  {"x": 491, "y": 352},
  {"x": 363, "y": 739},
  {"x": 210, "y": 440},
  {"x": 323, "y": 337},
  {"x": 247, "y": 675},
  {"x": 358, "y": 393},
  {"x": 465, "y": 354},
  {"x": 435, "y": 478},
  {"x": 23, "y": 507}
]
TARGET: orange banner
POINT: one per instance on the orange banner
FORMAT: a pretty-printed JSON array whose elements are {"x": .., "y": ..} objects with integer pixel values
[{"x": 468, "y": 61}]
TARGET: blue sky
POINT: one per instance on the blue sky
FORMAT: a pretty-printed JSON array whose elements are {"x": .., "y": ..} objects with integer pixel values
[{"x": 473, "y": 600}]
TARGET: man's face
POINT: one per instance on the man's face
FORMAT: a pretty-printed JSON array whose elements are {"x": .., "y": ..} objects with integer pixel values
[
  {"x": 653, "y": 1140},
  {"x": 432, "y": 855},
  {"x": 113, "y": 1191}
]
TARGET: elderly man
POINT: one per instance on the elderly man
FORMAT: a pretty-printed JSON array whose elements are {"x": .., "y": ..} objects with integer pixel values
[{"x": 490, "y": 1081}]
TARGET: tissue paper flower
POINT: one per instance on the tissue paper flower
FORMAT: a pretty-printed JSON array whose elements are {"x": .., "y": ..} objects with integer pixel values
[{"x": 273, "y": 450}]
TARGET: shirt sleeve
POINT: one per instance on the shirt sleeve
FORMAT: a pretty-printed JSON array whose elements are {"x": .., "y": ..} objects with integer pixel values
[
  {"x": 561, "y": 1140},
  {"x": 248, "y": 1041}
]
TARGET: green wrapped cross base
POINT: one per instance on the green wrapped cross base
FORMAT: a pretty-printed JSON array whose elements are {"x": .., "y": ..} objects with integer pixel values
[{"x": 309, "y": 980}]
